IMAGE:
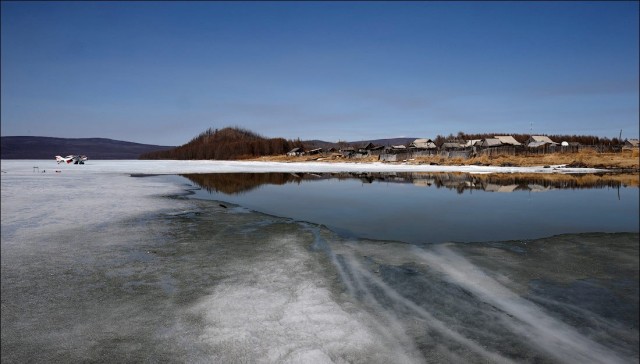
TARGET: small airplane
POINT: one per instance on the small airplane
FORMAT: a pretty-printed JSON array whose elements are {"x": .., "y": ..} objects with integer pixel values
[{"x": 75, "y": 159}]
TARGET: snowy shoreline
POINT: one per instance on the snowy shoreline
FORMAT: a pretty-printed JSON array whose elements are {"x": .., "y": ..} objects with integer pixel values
[{"x": 207, "y": 166}]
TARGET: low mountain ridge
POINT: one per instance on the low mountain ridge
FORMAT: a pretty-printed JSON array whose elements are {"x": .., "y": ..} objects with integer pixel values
[{"x": 36, "y": 147}]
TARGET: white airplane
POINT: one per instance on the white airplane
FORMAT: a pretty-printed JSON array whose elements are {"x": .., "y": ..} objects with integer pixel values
[{"x": 75, "y": 159}]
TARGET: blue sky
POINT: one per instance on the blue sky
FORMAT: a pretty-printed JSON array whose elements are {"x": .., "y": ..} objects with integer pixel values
[{"x": 162, "y": 72}]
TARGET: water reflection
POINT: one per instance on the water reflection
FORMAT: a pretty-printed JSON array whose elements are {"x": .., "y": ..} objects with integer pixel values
[
  {"x": 432, "y": 207},
  {"x": 235, "y": 183}
]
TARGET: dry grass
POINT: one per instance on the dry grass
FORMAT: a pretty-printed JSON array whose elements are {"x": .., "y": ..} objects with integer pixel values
[
  {"x": 628, "y": 159},
  {"x": 592, "y": 159}
]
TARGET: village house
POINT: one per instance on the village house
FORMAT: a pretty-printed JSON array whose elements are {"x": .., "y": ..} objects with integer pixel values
[
  {"x": 631, "y": 144},
  {"x": 295, "y": 152},
  {"x": 508, "y": 140},
  {"x": 451, "y": 145},
  {"x": 423, "y": 144},
  {"x": 348, "y": 152},
  {"x": 472, "y": 143},
  {"x": 539, "y": 140},
  {"x": 490, "y": 143}
]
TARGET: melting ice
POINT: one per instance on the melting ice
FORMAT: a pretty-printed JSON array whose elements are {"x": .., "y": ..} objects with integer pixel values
[{"x": 106, "y": 267}]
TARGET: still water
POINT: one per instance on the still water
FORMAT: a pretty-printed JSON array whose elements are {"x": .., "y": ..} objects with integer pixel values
[{"x": 422, "y": 208}]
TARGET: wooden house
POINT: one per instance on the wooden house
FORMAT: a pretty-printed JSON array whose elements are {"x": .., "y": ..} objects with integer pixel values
[
  {"x": 539, "y": 139},
  {"x": 490, "y": 143},
  {"x": 295, "y": 152},
  {"x": 631, "y": 144},
  {"x": 508, "y": 140},
  {"x": 348, "y": 152},
  {"x": 423, "y": 144}
]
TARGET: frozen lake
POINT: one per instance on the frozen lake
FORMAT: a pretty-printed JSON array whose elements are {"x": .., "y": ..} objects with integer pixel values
[{"x": 99, "y": 266}]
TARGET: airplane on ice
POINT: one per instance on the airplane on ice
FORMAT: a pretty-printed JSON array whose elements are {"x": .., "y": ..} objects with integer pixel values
[{"x": 75, "y": 159}]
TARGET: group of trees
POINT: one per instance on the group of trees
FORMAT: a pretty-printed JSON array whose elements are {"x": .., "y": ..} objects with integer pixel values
[{"x": 226, "y": 144}]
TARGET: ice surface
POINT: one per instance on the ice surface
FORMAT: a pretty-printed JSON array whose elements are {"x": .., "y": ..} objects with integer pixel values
[
  {"x": 206, "y": 166},
  {"x": 101, "y": 266}
]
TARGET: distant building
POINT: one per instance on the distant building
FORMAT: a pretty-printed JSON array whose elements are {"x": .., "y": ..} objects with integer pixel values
[
  {"x": 422, "y": 144},
  {"x": 472, "y": 143},
  {"x": 490, "y": 143},
  {"x": 631, "y": 144},
  {"x": 508, "y": 140},
  {"x": 295, "y": 152},
  {"x": 451, "y": 146},
  {"x": 539, "y": 139}
]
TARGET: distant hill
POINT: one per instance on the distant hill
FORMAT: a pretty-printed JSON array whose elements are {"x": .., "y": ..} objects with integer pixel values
[
  {"x": 226, "y": 144},
  {"x": 31, "y": 147}
]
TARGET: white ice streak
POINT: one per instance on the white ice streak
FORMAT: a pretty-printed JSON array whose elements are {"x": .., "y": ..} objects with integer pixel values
[
  {"x": 208, "y": 166},
  {"x": 358, "y": 280},
  {"x": 280, "y": 310},
  {"x": 527, "y": 319}
]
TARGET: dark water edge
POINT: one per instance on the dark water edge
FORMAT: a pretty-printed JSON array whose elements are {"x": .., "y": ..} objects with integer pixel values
[{"x": 227, "y": 284}]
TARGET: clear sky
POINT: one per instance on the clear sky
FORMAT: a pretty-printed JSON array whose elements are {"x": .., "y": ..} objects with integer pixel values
[{"x": 163, "y": 72}]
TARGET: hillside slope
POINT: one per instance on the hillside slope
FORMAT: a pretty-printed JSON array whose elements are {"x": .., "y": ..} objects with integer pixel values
[
  {"x": 31, "y": 147},
  {"x": 226, "y": 144}
]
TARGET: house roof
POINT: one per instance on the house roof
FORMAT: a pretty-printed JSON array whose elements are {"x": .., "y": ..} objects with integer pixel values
[
  {"x": 472, "y": 142},
  {"x": 542, "y": 138},
  {"x": 398, "y": 147},
  {"x": 491, "y": 187},
  {"x": 367, "y": 146},
  {"x": 507, "y": 139},
  {"x": 423, "y": 144},
  {"x": 633, "y": 142},
  {"x": 491, "y": 142},
  {"x": 295, "y": 150},
  {"x": 451, "y": 145},
  {"x": 536, "y": 144}
]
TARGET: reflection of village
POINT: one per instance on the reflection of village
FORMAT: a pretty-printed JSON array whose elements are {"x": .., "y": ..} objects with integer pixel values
[
  {"x": 234, "y": 183},
  {"x": 498, "y": 145}
]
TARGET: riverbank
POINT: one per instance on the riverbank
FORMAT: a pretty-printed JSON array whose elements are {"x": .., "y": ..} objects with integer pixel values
[{"x": 627, "y": 161}]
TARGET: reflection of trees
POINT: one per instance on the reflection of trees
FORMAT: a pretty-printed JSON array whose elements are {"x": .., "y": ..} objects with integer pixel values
[{"x": 233, "y": 183}]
